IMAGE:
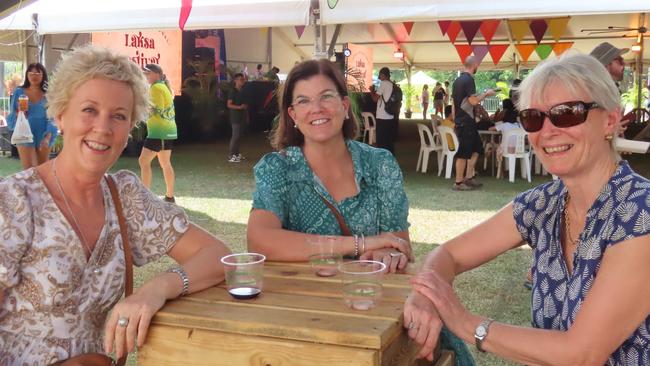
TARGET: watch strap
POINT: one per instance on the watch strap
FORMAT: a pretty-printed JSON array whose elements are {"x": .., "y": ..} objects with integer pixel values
[{"x": 478, "y": 339}]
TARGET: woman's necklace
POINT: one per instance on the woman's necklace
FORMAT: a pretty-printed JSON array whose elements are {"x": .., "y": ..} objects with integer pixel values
[{"x": 84, "y": 241}]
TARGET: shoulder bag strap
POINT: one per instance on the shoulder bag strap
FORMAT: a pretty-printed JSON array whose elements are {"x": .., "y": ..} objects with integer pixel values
[
  {"x": 128, "y": 255},
  {"x": 345, "y": 230}
]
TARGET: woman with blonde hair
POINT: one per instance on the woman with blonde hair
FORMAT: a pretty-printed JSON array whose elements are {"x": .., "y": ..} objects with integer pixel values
[
  {"x": 62, "y": 258},
  {"x": 589, "y": 232}
]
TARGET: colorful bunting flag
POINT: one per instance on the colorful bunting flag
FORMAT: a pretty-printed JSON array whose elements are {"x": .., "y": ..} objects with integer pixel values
[
  {"x": 453, "y": 30},
  {"x": 444, "y": 25},
  {"x": 186, "y": 9},
  {"x": 464, "y": 50},
  {"x": 480, "y": 50},
  {"x": 557, "y": 26},
  {"x": 543, "y": 50},
  {"x": 408, "y": 26},
  {"x": 519, "y": 29},
  {"x": 525, "y": 50},
  {"x": 497, "y": 51},
  {"x": 488, "y": 28},
  {"x": 538, "y": 27},
  {"x": 299, "y": 30},
  {"x": 560, "y": 47},
  {"x": 470, "y": 27}
]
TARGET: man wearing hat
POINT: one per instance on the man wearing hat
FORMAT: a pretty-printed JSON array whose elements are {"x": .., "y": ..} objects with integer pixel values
[{"x": 612, "y": 58}]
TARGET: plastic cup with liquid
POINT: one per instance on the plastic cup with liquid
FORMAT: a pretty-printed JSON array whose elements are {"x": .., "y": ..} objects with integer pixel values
[
  {"x": 362, "y": 283},
  {"x": 244, "y": 274},
  {"x": 324, "y": 255},
  {"x": 23, "y": 103}
]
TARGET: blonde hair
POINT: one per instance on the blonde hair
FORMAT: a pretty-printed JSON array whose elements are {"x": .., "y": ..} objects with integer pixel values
[{"x": 93, "y": 62}]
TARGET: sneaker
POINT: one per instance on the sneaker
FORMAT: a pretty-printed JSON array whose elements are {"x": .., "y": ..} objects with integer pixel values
[
  {"x": 169, "y": 199},
  {"x": 234, "y": 159},
  {"x": 463, "y": 187},
  {"x": 472, "y": 182},
  {"x": 528, "y": 285},
  {"x": 240, "y": 157}
]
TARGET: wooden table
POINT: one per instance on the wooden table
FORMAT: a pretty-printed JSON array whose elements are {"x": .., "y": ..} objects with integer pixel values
[{"x": 299, "y": 319}]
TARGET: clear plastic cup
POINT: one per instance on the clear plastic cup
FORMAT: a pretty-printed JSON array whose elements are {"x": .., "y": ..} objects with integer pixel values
[
  {"x": 23, "y": 103},
  {"x": 362, "y": 283},
  {"x": 324, "y": 255},
  {"x": 244, "y": 274}
]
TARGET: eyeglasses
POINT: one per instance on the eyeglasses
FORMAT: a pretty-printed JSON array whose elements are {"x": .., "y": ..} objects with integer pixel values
[
  {"x": 563, "y": 115},
  {"x": 327, "y": 99}
]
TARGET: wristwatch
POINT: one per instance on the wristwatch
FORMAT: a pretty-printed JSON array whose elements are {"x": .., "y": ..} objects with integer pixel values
[{"x": 481, "y": 332}]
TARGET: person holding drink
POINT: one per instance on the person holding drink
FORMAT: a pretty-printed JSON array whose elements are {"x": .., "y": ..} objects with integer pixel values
[
  {"x": 30, "y": 99},
  {"x": 320, "y": 181}
]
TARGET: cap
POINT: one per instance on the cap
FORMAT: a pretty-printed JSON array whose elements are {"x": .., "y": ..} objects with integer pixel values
[
  {"x": 153, "y": 68},
  {"x": 606, "y": 52}
]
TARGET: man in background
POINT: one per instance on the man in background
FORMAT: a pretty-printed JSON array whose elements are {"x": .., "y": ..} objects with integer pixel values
[
  {"x": 237, "y": 114},
  {"x": 385, "y": 122}
]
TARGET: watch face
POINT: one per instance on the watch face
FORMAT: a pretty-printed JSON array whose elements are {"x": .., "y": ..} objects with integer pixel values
[{"x": 480, "y": 331}]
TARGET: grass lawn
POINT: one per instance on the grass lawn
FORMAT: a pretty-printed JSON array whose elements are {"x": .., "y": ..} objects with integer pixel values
[{"x": 217, "y": 196}]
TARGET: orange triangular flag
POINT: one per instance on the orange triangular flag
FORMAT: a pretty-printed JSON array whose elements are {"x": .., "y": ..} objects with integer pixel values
[
  {"x": 464, "y": 50},
  {"x": 525, "y": 50},
  {"x": 560, "y": 47},
  {"x": 519, "y": 29},
  {"x": 557, "y": 27},
  {"x": 488, "y": 28},
  {"x": 408, "y": 26},
  {"x": 453, "y": 30},
  {"x": 497, "y": 51}
]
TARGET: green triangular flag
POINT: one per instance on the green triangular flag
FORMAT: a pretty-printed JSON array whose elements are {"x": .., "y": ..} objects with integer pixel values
[{"x": 543, "y": 50}]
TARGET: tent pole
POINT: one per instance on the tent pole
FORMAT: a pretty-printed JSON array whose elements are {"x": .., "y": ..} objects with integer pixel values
[
  {"x": 639, "y": 70},
  {"x": 269, "y": 47}
]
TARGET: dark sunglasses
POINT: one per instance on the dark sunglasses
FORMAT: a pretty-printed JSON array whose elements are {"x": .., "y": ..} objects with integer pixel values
[{"x": 563, "y": 115}]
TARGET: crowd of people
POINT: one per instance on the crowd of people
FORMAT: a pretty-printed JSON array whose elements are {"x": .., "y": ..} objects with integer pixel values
[{"x": 61, "y": 259}]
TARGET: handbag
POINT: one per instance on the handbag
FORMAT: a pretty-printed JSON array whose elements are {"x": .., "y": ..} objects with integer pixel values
[{"x": 98, "y": 359}]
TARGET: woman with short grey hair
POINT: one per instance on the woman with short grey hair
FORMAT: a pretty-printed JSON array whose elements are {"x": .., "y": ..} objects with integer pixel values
[{"x": 589, "y": 232}]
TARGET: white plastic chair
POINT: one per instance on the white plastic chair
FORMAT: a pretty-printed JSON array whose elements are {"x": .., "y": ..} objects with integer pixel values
[
  {"x": 444, "y": 132},
  {"x": 539, "y": 168},
  {"x": 3, "y": 121},
  {"x": 511, "y": 153},
  {"x": 370, "y": 128},
  {"x": 427, "y": 146}
]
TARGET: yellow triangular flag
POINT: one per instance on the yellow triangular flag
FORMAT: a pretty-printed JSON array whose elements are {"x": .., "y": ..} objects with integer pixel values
[
  {"x": 519, "y": 29},
  {"x": 557, "y": 27}
]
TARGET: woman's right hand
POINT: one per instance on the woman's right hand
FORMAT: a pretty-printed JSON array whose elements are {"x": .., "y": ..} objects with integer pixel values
[
  {"x": 389, "y": 240},
  {"x": 423, "y": 323}
]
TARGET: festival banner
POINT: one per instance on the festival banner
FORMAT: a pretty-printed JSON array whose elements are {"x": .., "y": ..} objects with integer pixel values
[
  {"x": 408, "y": 26},
  {"x": 299, "y": 30},
  {"x": 543, "y": 50},
  {"x": 488, "y": 28},
  {"x": 186, "y": 9},
  {"x": 519, "y": 29},
  {"x": 470, "y": 27},
  {"x": 525, "y": 50},
  {"x": 148, "y": 47},
  {"x": 538, "y": 27},
  {"x": 453, "y": 30},
  {"x": 557, "y": 27},
  {"x": 497, "y": 51},
  {"x": 444, "y": 25},
  {"x": 359, "y": 66},
  {"x": 560, "y": 47},
  {"x": 464, "y": 50},
  {"x": 480, "y": 50}
]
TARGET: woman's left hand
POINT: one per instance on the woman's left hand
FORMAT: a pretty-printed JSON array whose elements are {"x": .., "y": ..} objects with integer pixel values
[
  {"x": 129, "y": 321},
  {"x": 394, "y": 260},
  {"x": 443, "y": 297}
]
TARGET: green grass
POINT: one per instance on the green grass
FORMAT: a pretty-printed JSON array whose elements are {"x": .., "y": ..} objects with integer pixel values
[{"x": 217, "y": 196}]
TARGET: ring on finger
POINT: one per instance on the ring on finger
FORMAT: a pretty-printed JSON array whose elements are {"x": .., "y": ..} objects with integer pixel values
[
  {"x": 411, "y": 325},
  {"x": 123, "y": 322},
  {"x": 395, "y": 254}
]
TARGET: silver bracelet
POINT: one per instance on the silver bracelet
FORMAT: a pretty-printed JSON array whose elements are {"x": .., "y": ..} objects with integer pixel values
[
  {"x": 356, "y": 246},
  {"x": 184, "y": 278}
]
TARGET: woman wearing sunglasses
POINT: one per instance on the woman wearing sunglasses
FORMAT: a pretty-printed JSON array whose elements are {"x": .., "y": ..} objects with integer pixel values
[{"x": 589, "y": 232}]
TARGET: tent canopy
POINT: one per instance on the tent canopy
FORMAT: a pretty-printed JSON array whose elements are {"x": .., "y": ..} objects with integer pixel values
[{"x": 420, "y": 78}]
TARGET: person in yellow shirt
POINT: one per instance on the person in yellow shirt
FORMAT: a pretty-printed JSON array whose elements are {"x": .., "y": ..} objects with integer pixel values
[{"x": 161, "y": 130}]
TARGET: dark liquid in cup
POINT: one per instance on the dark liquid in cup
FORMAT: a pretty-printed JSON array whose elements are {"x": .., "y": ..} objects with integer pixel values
[{"x": 244, "y": 293}]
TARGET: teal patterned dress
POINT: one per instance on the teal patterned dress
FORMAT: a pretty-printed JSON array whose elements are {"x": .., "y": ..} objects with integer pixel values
[{"x": 287, "y": 187}]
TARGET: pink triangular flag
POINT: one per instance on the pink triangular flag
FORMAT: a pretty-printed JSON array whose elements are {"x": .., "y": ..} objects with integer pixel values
[
  {"x": 186, "y": 9},
  {"x": 299, "y": 30},
  {"x": 480, "y": 50},
  {"x": 470, "y": 27}
]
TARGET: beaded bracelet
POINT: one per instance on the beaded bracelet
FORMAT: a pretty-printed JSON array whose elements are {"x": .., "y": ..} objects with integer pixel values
[
  {"x": 356, "y": 246},
  {"x": 184, "y": 278},
  {"x": 363, "y": 245}
]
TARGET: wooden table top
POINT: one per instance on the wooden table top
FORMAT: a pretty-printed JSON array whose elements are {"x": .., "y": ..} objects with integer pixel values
[{"x": 297, "y": 306}]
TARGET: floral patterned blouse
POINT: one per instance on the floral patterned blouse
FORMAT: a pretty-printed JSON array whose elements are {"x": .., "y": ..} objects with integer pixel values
[
  {"x": 621, "y": 212},
  {"x": 286, "y": 186},
  {"x": 55, "y": 301}
]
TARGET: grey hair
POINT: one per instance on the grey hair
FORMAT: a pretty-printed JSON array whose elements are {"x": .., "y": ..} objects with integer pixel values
[
  {"x": 578, "y": 73},
  {"x": 93, "y": 62}
]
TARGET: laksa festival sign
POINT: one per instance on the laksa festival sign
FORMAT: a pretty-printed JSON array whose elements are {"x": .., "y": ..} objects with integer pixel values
[
  {"x": 148, "y": 47},
  {"x": 359, "y": 66}
]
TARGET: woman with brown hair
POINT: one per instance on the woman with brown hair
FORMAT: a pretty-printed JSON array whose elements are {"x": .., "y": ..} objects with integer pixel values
[{"x": 319, "y": 168}]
